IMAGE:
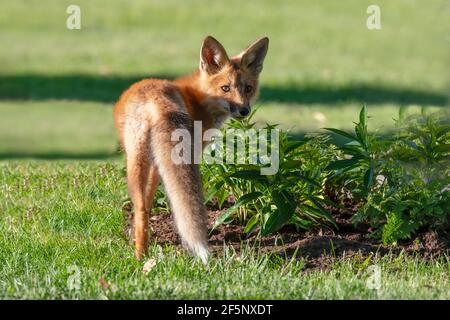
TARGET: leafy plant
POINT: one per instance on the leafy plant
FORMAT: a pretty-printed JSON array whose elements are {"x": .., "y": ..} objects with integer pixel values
[
  {"x": 293, "y": 195},
  {"x": 401, "y": 182}
]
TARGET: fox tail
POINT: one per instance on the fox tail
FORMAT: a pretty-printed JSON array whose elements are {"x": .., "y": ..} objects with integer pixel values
[{"x": 182, "y": 183}]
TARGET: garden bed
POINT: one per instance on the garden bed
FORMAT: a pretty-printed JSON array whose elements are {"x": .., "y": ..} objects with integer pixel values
[{"x": 319, "y": 247}]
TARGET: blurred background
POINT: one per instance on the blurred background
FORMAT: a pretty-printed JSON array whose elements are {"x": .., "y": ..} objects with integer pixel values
[{"x": 57, "y": 86}]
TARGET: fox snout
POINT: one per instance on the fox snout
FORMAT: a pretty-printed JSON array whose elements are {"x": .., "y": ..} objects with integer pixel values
[
  {"x": 239, "y": 111},
  {"x": 244, "y": 111}
]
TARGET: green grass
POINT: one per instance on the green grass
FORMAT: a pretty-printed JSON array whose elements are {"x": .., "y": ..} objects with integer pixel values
[
  {"x": 55, "y": 129},
  {"x": 62, "y": 217},
  {"x": 322, "y": 59},
  {"x": 57, "y": 88}
]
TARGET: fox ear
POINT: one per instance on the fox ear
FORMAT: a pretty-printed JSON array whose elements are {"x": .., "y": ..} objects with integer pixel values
[
  {"x": 252, "y": 58},
  {"x": 213, "y": 56}
]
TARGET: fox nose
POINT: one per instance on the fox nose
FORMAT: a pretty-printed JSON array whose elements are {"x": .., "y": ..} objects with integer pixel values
[{"x": 244, "y": 111}]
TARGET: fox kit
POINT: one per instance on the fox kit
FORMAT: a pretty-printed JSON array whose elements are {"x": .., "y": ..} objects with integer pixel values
[{"x": 150, "y": 110}]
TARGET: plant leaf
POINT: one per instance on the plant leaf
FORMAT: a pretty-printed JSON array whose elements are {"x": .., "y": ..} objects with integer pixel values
[
  {"x": 288, "y": 164},
  {"x": 307, "y": 179},
  {"x": 444, "y": 148},
  {"x": 368, "y": 177},
  {"x": 342, "y": 133},
  {"x": 226, "y": 215},
  {"x": 248, "y": 175},
  {"x": 340, "y": 164},
  {"x": 251, "y": 224},
  {"x": 286, "y": 205},
  {"x": 363, "y": 116},
  {"x": 292, "y": 145},
  {"x": 212, "y": 191},
  {"x": 325, "y": 214}
]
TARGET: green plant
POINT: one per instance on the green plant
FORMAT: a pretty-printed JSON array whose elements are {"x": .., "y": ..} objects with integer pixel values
[
  {"x": 401, "y": 182},
  {"x": 361, "y": 156},
  {"x": 294, "y": 194}
]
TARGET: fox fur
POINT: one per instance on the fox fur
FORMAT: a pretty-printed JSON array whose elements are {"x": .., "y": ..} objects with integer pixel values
[{"x": 150, "y": 110}]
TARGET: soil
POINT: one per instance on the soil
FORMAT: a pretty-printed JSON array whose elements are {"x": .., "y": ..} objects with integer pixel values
[{"x": 319, "y": 247}]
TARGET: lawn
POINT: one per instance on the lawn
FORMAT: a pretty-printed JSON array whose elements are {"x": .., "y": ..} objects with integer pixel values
[
  {"x": 63, "y": 225},
  {"x": 61, "y": 180}
]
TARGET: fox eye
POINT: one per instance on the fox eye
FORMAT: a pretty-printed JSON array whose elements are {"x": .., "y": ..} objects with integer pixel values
[
  {"x": 225, "y": 88},
  {"x": 248, "y": 88}
]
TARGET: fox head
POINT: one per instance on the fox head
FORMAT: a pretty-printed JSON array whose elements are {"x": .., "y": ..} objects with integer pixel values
[{"x": 232, "y": 83}]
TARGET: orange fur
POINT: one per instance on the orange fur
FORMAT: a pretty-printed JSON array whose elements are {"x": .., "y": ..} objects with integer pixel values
[{"x": 148, "y": 112}]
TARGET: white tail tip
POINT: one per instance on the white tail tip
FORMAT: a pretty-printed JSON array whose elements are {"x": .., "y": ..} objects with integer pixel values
[{"x": 202, "y": 252}]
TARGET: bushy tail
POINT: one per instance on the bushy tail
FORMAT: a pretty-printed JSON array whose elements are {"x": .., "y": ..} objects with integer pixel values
[{"x": 182, "y": 183}]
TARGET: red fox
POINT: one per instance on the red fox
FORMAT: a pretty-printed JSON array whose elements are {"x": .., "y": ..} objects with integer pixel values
[{"x": 150, "y": 110}]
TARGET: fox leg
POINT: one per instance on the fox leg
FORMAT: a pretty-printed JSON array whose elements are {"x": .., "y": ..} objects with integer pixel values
[
  {"x": 137, "y": 175},
  {"x": 138, "y": 160},
  {"x": 152, "y": 185}
]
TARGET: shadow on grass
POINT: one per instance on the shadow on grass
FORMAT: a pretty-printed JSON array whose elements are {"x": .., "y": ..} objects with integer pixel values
[
  {"x": 107, "y": 89},
  {"x": 360, "y": 93},
  {"x": 109, "y": 155},
  {"x": 57, "y": 155}
]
